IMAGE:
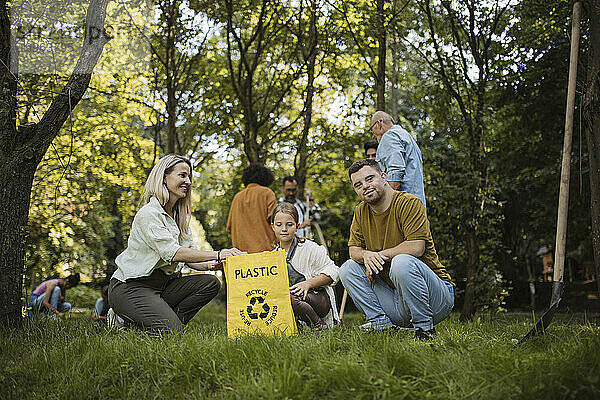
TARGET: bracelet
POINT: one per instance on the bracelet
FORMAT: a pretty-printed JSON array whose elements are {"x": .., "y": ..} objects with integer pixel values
[{"x": 219, "y": 256}]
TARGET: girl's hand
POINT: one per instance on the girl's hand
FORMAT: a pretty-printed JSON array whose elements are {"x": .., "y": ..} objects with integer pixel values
[
  {"x": 300, "y": 289},
  {"x": 215, "y": 266},
  {"x": 203, "y": 266}
]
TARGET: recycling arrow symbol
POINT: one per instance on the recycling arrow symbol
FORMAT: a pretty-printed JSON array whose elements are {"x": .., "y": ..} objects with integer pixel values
[{"x": 258, "y": 308}]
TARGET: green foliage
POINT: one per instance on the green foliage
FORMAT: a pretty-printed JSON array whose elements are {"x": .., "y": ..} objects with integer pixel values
[
  {"x": 82, "y": 296},
  {"x": 88, "y": 186},
  {"x": 77, "y": 358}
]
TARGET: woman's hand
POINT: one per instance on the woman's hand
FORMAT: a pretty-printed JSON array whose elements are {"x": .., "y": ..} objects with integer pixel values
[
  {"x": 229, "y": 252},
  {"x": 300, "y": 289},
  {"x": 203, "y": 266}
]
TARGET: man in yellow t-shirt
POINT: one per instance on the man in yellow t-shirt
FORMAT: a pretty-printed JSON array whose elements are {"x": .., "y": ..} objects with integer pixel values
[{"x": 394, "y": 275}]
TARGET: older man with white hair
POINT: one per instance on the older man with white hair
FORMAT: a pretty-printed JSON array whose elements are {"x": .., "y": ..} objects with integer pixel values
[{"x": 398, "y": 155}]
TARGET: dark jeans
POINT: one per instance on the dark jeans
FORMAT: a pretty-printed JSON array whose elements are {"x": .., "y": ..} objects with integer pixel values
[
  {"x": 161, "y": 302},
  {"x": 312, "y": 309}
]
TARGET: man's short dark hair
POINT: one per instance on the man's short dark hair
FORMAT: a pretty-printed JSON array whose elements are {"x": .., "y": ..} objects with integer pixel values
[
  {"x": 370, "y": 145},
  {"x": 73, "y": 279},
  {"x": 357, "y": 165},
  {"x": 257, "y": 173},
  {"x": 290, "y": 179}
]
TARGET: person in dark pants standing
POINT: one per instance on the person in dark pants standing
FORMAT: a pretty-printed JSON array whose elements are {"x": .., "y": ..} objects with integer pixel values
[{"x": 147, "y": 289}]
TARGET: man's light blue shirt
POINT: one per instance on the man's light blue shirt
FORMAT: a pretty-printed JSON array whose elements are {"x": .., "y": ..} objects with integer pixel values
[{"x": 400, "y": 158}]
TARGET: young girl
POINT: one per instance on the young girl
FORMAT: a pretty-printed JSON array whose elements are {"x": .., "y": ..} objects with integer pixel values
[
  {"x": 310, "y": 270},
  {"x": 146, "y": 289}
]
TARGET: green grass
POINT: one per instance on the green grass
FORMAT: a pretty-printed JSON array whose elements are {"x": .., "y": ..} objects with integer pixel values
[{"x": 77, "y": 359}]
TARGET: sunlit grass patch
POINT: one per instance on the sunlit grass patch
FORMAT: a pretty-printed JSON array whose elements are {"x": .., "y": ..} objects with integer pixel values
[{"x": 76, "y": 358}]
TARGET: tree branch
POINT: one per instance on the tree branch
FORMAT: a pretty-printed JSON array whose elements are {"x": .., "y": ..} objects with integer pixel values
[{"x": 93, "y": 43}]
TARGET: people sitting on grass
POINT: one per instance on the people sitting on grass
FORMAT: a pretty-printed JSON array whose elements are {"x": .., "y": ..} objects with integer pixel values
[
  {"x": 102, "y": 307},
  {"x": 49, "y": 297},
  {"x": 147, "y": 289},
  {"x": 394, "y": 275},
  {"x": 310, "y": 271}
]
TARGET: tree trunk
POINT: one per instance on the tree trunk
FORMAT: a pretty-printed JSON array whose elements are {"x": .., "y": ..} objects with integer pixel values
[
  {"x": 592, "y": 125},
  {"x": 16, "y": 182},
  {"x": 301, "y": 167},
  {"x": 251, "y": 146},
  {"x": 395, "y": 95},
  {"x": 471, "y": 271},
  {"x": 22, "y": 150},
  {"x": 381, "y": 41},
  {"x": 170, "y": 72}
]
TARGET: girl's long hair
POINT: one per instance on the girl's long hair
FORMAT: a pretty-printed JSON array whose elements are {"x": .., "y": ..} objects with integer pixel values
[
  {"x": 290, "y": 209},
  {"x": 155, "y": 187}
]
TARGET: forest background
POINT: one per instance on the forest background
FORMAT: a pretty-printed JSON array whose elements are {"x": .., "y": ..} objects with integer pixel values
[{"x": 481, "y": 85}]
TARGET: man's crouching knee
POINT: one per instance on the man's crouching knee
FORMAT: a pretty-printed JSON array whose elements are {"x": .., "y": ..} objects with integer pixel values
[
  {"x": 403, "y": 266},
  {"x": 349, "y": 268}
]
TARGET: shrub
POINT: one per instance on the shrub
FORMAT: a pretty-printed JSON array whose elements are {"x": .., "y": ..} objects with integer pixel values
[{"x": 82, "y": 296}]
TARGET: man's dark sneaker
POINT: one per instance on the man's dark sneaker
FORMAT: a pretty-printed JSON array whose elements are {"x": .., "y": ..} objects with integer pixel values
[{"x": 421, "y": 334}]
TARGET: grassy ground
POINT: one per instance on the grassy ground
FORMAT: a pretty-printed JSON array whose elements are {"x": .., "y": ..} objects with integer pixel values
[{"x": 77, "y": 359}]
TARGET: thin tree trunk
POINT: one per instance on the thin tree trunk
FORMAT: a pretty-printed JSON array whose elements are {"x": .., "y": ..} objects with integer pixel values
[
  {"x": 393, "y": 103},
  {"x": 531, "y": 282},
  {"x": 170, "y": 71},
  {"x": 251, "y": 147},
  {"x": 472, "y": 264},
  {"x": 301, "y": 167},
  {"x": 592, "y": 122},
  {"x": 381, "y": 41}
]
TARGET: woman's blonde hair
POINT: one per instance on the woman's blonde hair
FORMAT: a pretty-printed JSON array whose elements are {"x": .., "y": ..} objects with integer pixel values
[{"x": 155, "y": 187}]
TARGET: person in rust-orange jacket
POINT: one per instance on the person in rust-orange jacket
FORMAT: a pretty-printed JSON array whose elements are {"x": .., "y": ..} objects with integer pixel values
[{"x": 248, "y": 221}]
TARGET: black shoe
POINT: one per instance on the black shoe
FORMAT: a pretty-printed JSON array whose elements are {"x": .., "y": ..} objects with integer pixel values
[{"x": 423, "y": 335}]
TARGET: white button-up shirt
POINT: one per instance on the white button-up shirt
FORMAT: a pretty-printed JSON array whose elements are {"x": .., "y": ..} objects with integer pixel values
[
  {"x": 152, "y": 243},
  {"x": 311, "y": 259}
]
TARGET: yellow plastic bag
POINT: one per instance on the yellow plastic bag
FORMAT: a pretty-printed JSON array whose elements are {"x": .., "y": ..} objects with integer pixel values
[{"x": 258, "y": 295}]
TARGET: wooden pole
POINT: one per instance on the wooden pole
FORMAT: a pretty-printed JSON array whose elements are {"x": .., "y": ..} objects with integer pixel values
[
  {"x": 322, "y": 240},
  {"x": 563, "y": 198},
  {"x": 343, "y": 305}
]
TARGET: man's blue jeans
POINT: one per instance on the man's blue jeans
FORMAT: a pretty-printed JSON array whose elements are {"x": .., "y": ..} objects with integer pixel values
[
  {"x": 421, "y": 298},
  {"x": 35, "y": 302}
]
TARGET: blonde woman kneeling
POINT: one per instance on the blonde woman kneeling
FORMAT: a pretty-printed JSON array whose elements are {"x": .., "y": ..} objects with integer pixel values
[{"x": 147, "y": 289}]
